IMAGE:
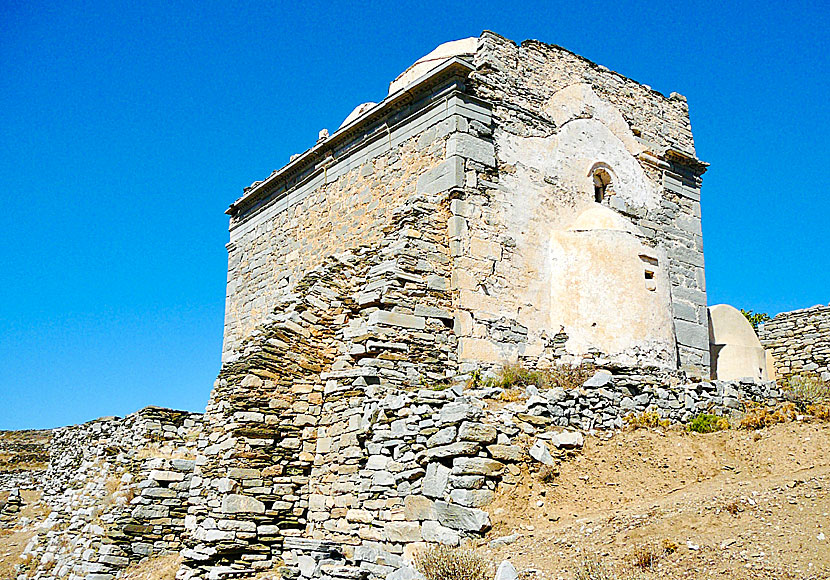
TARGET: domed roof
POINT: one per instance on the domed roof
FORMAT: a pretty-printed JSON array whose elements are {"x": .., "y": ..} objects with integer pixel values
[
  {"x": 423, "y": 65},
  {"x": 728, "y": 326},
  {"x": 356, "y": 112}
]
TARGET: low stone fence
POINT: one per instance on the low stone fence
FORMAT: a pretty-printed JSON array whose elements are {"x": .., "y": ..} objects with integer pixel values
[
  {"x": 391, "y": 468},
  {"x": 24, "y": 456},
  {"x": 799, "y": 341},
  {"x": 118, "y": 490}
]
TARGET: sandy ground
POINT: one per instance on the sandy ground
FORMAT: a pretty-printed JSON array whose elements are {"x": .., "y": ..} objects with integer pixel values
[
  {"x": 13, "y": 541},
  {"x": 737, "y": 504}
]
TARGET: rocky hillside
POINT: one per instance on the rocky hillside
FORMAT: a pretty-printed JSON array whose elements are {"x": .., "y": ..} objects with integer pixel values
[
  {"x": 24, "y": 456},
  {"x": 656, "y": 502}
]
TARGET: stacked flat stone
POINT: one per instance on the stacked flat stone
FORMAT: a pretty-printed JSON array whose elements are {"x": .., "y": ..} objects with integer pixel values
[
  {"x": 606, "y": 400},
  {"x": 117, "y": 495},
  {"x": 10, "y": 508},
  {"x": 799, "y": 341}
]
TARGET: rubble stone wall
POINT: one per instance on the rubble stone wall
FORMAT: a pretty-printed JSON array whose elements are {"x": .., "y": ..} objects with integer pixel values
[
  {"x": 24, "y": 456},
  {"x": 118, "y": 490},
  {"x": 799, "y": 341}
]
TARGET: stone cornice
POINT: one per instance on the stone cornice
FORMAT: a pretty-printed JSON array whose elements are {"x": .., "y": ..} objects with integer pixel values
[
  {"x": 687, "y": 160},
  {"x": 325, "y": 151}
]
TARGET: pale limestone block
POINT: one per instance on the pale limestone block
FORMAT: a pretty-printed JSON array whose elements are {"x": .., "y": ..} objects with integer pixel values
[
  {"x": 480, "y": 248},
  {"x": 386, "y": 318},
  {"x": 463, "y": 323},
  {"x": 403, "y": 532},
  {"x": 471, "y": 147},
  {"x": 418, "y": 507},
  {"x": 434, "y": 532},
  {"x": 456, "y": 227},
  {"x": 234, "y": 504},
  {"x": 478, "y": 349}
]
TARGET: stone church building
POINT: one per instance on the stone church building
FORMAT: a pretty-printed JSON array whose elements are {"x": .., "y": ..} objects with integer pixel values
[{"x": 572, "y": 201}]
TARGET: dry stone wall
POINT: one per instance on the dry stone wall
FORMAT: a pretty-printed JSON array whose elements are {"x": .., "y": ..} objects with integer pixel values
[
  {"x": 799, "y": 341},
  {"x": 281, "y": 413},
  {"x": 24, "y": 456},
  {"x": 118, "y": 490}
]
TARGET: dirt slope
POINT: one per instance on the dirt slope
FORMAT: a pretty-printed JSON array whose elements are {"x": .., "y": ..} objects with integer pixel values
[{"x": 736, "y": 504}]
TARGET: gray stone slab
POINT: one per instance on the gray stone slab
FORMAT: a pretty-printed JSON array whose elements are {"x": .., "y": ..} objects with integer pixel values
[{"x": 445, "y": 176}]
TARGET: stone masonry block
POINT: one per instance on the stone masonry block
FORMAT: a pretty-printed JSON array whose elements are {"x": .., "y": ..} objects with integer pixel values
[
  {"x": 691, "y": 334},
  {"x": 457, "y": 227},
  {"x": 470, "y": 147},
  {"x": 447, "y": 175},
  {"x": 386, "y": 318}
]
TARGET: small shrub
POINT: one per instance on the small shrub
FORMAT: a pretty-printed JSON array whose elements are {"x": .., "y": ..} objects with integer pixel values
[
  {"x": 476, "y": 380},
  {"x": 755, "y": 318},
  {"x": 646, "y": 420},
  {"x": 645, "y": 556},
  {"x": 669, "y": 546},
  {"x": 733, "y": 507},
  {"x": 805, "y": 390},
  {"x": 518, "y": 376},
  {"x": 706, "y": 423},
  {"x": 759, "y": 416},
  {"x": 445, "y": 563},
  {"x": 589, "y": 568},
  {"x": 820, "y": 411},
  {"x": 439, "y": 386}
]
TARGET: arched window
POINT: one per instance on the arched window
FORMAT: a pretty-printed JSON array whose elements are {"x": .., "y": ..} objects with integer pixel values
[{"x": 602, "y": 184}]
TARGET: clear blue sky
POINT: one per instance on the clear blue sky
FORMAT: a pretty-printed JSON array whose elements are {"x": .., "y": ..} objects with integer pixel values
[{"x": 128, "y": 128}]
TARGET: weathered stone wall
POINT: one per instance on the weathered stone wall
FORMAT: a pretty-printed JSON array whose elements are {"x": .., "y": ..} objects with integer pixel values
[
  {"x": 518, "y": 139},
  {"x": 118, "y": 490},
  {"x": 281, "y": 414},
  {"x": 799, "y": 341},
  {"x": 336, "y": 197},
  {"x": 528, "y": 195},
  {"x": 24, "y": 457}
]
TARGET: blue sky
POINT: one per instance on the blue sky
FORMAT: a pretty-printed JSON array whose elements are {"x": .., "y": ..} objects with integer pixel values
[{"x": 128, "y": 128}]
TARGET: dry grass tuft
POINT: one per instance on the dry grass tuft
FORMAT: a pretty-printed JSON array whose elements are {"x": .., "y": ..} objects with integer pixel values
[
  {"x": 646, "y": 420},
  {"x": 548, "y": 473},
  {"x": 155, "y": 568},
  {"x": 590, "y": 568},
  {"x": 570, "y": 376},
  {"x": 820, "y": 411},
  {"x": 513, "y": 395},
  {"x": 734, "y": 507},
  {"x": 645, "y": 556},
  {"x": 445, "y": 563},
  {"x": 515, "y": 376},
  {"x": 669, "y": 546},
  {"x": 759, "y": 416}
]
